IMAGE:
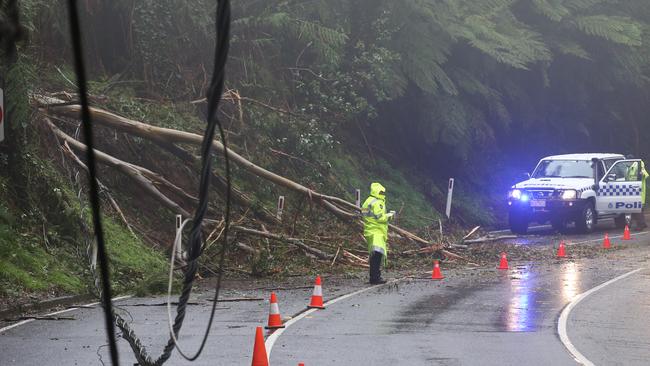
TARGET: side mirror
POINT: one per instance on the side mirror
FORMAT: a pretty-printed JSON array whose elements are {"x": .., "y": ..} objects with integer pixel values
[{"x": 610, "y": 177}]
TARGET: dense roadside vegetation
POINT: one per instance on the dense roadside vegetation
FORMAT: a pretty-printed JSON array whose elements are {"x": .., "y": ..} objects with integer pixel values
[{"x": 333, "y": 94}]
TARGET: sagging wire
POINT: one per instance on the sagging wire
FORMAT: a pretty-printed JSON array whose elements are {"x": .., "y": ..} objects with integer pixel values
[
  {"x": 196, "y": 238},
  {"x": 75, "y": 33}
]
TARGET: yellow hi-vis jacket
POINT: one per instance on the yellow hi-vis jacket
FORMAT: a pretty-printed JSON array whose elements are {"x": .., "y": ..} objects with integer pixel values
[
  {"x": 375, "y": 220},
  {"x": 644, "y": 177},
  {"x": 633, "y": 175}
]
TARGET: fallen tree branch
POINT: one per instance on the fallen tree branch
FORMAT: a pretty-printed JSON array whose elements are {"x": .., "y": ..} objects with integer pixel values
[
  {"x": 297, "y": 242},
  {"x": 70, "y": 154},
  {"x": 130, "y": 170},
  {"x": 238, "y": 196},
  {"x": 174, "y": 136},
  {"x": 489, "y": 238}
]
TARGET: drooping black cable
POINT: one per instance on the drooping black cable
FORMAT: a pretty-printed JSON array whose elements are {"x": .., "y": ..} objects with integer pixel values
[
  {"x": 214, "y": 96},
  {"x": 75, "y": 33}
]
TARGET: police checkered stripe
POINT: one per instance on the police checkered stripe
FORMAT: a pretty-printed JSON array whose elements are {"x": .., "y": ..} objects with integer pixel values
[{"x": 620, "y": 190}]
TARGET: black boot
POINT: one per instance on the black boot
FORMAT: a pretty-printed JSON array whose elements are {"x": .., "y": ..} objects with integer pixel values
[{"x": 375, "y": 268}]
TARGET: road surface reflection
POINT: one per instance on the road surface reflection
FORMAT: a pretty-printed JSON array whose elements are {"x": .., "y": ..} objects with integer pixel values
[{"x": 527, "y": 295}]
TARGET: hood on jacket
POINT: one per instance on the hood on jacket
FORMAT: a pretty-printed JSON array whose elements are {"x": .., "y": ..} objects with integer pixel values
[{"x": 378, "y": 191}]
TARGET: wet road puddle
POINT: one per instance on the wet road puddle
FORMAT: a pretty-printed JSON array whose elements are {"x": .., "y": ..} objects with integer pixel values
[
  {"x": 532, "y": 299},
  {"x": 524, "y": 299}
]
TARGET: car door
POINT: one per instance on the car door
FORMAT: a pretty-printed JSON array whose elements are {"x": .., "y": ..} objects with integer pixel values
[{"x": 619, "y": 191}]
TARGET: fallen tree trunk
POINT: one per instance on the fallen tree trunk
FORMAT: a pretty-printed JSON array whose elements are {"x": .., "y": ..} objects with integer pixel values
[{"x": 174, "y": 136}]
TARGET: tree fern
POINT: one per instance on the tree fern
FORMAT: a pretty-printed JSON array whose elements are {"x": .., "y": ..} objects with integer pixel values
[
  {"x": 617, "y": 29},
  {"x": 553, "y": 9}
]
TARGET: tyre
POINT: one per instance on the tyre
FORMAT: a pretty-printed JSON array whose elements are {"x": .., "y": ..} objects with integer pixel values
[
  {"x": 518, "y": 224},
  {"x": 586, "y": 221},
  {"x": 621, "y": 220},
  {"x": 559, "y": 225}
]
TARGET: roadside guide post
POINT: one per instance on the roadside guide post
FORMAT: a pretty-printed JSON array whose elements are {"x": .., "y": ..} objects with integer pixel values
[
  {"x": 357, "y": 197},
  {"x": 179, "y": 249},
  {"x": 280, "y": 207},
  {"x": 450, "y": 192}
]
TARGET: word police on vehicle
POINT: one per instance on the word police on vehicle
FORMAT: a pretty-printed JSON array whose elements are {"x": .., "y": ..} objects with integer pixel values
[{"x": 577, "y": 188}]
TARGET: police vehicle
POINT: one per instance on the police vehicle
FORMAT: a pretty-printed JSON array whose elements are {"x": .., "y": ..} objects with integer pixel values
[{"x": 578, "y": 188}]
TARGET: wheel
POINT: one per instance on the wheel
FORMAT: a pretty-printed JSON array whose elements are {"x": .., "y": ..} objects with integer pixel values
[
  {"x": 586, "y": 221},
  {"x": 621, "y": 220},
  {"x": 559, "y": 225},
  {"x": 518, "y": 225}
]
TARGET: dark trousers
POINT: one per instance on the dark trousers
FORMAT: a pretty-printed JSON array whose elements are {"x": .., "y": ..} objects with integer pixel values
[{"x": 375, "y": 266}]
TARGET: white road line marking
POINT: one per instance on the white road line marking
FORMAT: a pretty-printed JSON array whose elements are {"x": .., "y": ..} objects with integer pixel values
[
  {"x": 564, "y": 317},
  {"x": 23, "y": 322},
  {"x": 600, "y": 239},
  {"x": 273, "y": 337}
]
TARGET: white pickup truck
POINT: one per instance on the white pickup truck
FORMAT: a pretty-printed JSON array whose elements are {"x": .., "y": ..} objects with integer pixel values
[{"x": 580, "y": 188}]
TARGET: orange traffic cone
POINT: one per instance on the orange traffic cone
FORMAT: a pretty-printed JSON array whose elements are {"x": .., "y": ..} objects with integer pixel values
[
  {"x": 606, "y": 243},
  {"x": 317, "y": 296},
  {"x": 259, "y": 350},
  {"x": 275, "y": 321},
  {"x": 626, "y": 233},
  {"x": 436, "y": 274},
  {"x": 561, "y": 253},
  {"x": 503, "y": 264}
]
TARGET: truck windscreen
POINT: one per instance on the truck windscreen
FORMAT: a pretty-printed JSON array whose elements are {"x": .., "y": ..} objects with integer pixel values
[{"x": 564, "y": 169}]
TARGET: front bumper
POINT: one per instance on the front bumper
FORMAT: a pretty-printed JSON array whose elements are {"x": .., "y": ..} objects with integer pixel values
[{"x": 551, "y": 209}]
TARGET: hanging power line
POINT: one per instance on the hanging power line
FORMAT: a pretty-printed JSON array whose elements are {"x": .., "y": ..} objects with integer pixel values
[{"x": 196, "y": 238}]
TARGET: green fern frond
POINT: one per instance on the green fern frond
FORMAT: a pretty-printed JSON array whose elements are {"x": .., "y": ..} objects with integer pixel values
[
  {"x": 618, "y": 29},
  {"x": 506, "y": 40},
  {"x": 552, "y": 9}
]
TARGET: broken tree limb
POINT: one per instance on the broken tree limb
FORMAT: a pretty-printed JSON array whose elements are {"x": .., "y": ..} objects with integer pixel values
[
  {"x": 72, "y": 156},
  {"x": 238, "y": 196},
  {"x": 297, "y": 242},
  {"x": 489, "y": 238},
  {"x": 130, "y": 170}
]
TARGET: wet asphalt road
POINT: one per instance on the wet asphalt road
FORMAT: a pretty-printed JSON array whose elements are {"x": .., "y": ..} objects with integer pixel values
[{"x": 475, "y": 316}]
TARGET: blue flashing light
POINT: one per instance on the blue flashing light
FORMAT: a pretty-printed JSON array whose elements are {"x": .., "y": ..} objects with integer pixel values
[{"x": 524, "y": 198}]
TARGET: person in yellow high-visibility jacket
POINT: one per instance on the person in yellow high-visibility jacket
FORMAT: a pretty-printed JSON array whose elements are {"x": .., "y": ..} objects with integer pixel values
[
  {"x": 375, "y": 229},
  {"x": 636, "y": 174},
  {"x": 640, "y": 217}
]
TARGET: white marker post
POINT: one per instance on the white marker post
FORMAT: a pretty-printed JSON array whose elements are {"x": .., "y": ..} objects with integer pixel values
[
  {"x": 93, "y": 259},
  {"x": 357, "y": 197},
  {"x": 280, "y": 207},
  {"x": 179, "y": 248},
  {"x": 2, "y": 116},
  {"x": 450, "y": 192}
]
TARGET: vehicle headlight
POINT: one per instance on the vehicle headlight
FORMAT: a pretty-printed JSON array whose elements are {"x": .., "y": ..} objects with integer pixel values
[
  {"x": 570, "y": 194},
  {"x": 515, "y": 194}
]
